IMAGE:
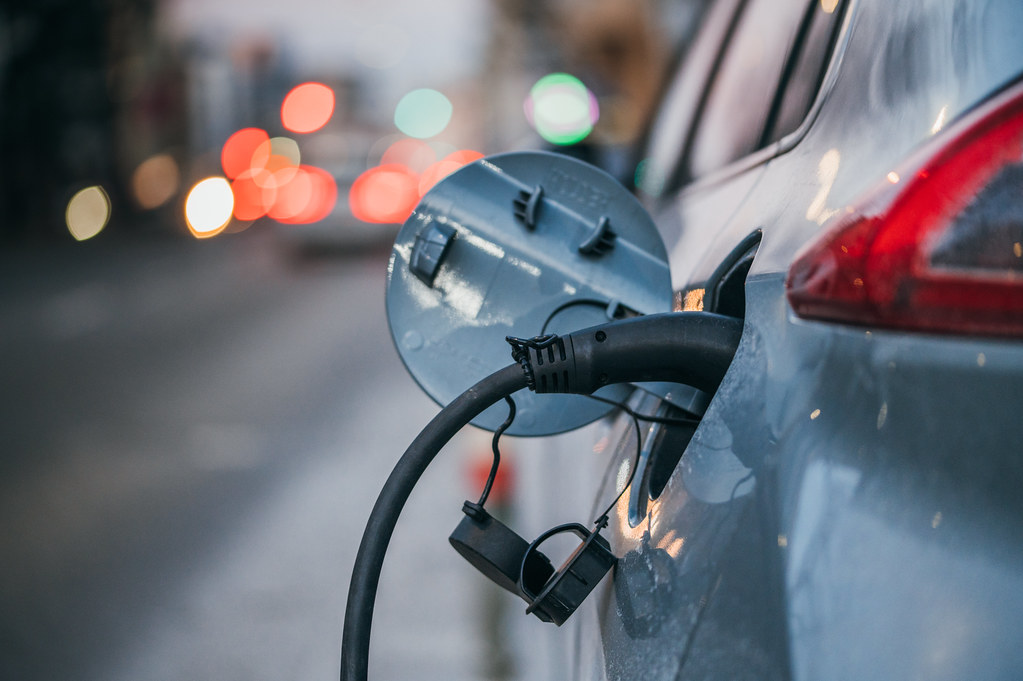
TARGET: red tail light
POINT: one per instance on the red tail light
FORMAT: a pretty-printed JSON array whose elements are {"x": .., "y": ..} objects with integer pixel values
[{"x": 941, "y": 249}]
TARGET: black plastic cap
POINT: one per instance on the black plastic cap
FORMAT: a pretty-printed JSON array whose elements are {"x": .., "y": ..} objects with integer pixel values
[{"x": 496, "y": 551}]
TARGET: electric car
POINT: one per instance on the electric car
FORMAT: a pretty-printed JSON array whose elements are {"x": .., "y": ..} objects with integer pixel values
[
  {"x": 806, "y": 336},
  {"x": 845, "y": 177}
]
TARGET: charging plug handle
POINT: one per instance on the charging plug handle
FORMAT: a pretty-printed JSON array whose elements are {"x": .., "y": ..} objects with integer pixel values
[{"x": 693, "y": 348}]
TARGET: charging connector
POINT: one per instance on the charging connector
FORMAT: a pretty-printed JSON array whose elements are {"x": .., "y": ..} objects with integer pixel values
[{"x": 694, "y": 348}]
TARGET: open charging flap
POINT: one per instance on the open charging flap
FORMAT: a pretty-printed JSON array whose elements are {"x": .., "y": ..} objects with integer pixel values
[{"x": 519, "y": 244}]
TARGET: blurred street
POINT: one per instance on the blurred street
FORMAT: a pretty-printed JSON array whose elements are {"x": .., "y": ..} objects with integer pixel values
[{"x": 191, "y": 438}]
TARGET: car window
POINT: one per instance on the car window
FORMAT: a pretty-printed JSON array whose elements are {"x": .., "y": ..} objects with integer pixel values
[
  {"x": 742, "y": 95},
  {"x": 806, "y": 71},
  {"x": 669, "y": 130}
]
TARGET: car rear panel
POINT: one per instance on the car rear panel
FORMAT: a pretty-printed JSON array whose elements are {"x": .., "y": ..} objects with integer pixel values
[
  {"x": 899, "y": 473},
  {"x": 849, "y": 507}
]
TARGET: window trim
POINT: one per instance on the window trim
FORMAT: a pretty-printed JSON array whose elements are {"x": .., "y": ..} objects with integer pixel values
[
  {"x": 676, "y": 180},
  {"x": 798, "y": 47},
  {"x": 681, "y": 63},
  {"x": 789, "y": 141}
]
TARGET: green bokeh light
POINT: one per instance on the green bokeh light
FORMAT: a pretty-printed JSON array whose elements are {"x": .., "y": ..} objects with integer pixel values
[
  {"x": 423, "y": 113},
  {"x": 561, "y": 109}
]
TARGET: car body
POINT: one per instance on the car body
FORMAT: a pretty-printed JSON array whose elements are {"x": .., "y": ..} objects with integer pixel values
[{"x": 850, "y": 505}]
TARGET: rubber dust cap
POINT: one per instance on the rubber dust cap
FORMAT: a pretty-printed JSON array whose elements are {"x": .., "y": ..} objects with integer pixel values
[
  {"x": 496, "y": 551},
  {"x": 565, "y": 591}
]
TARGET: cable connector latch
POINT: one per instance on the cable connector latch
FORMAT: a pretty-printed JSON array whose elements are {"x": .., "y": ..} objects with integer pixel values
[{"x": 541, "y": 359}]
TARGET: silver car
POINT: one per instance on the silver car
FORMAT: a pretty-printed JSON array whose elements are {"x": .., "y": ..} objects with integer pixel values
[
  {"x": 847, "y": 177},
  {"x": 843, "y": 180}
]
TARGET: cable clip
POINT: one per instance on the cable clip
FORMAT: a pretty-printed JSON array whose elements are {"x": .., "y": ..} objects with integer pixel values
[{"x": 520, "y": 352}]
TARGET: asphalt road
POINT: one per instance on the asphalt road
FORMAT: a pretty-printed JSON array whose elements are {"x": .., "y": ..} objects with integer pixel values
[{"x": 191, "y": 435}]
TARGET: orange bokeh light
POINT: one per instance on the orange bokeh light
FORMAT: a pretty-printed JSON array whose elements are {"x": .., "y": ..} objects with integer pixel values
[
  {"x": 307, "y": 107},
  {"x": 236, "y": 155},
  {"x": 384, "y": 194},
  {"x": 441, "y": 169}
]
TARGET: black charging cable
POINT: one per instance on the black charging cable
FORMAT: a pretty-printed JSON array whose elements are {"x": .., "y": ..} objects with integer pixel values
[{"x": 693, "y": 348}]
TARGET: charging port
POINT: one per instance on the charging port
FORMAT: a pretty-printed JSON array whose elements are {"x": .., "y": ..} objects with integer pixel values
[{"x": 665, "y": 443}]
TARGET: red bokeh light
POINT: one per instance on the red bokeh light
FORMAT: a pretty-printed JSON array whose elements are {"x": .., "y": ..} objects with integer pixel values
[
  {"x": 321, "y": 198},
  {"x": 292, "y": 197},
  {"x": 254, "y": 193},
  {"x": 307, "y": 107},
  {"x": 236, "y": 155},
  {"x": 385, "y": 194},
  {"x": 268, "y": 180}
]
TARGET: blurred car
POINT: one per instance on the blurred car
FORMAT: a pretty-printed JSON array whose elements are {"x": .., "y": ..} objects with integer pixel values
[{"x": 845, "y": 176}]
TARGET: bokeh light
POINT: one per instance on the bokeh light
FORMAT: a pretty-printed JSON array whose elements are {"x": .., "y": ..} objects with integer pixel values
[
  {"x": 254, "y": 193},
  {"x": 313, "y": 200},
  {"x": 270, "y": 181},
  {"x": 464, "y": 156},
  {"x": 561, "y": 109},
  {"x": 293, "y": 195},
  {"x": 435, "y": 173},
  {"x": 236, "y": 155},
  {"x": 413, "y": 153},
  {"x": 441, "y": 169},
  {"x": 384, "y": 194},
  {"x": 276, "y": 154},
  {"x": 423, "y": 113},
  {"x": 87, "y": 213},
  {"x": 307, "y": 108},
  {"x": 266, "y": 173},
  {"x": 209, "y": 207},
  {"x": 280, "y": 169},
  {"x": 155, "y": 181},
  {"x": 281, "y": 146}
]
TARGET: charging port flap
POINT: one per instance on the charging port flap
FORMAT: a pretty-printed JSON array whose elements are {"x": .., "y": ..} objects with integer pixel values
[{"x": 519, "y": 244}]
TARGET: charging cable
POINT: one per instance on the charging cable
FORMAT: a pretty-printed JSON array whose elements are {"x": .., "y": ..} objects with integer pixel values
[{"x": 694, "y": 348}]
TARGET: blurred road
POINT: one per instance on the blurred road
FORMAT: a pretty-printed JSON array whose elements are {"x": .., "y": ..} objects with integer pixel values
[{"x": 191, "y": 436}]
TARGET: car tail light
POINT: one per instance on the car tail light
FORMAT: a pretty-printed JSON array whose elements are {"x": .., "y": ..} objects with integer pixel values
[{"x": 939, "y": 246}]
